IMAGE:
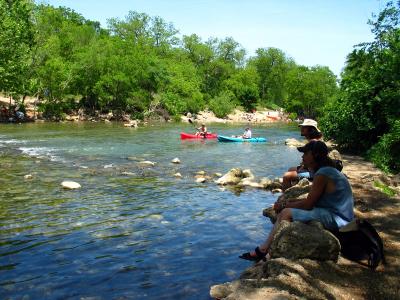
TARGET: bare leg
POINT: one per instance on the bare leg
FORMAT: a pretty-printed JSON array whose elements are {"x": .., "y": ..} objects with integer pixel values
[
  {"x": 284, "y": 215},
  {"x": 288, "y": 177}
]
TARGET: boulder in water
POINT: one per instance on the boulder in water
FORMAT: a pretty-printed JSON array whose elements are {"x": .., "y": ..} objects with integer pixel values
[
  {"x": 147, "y": 163},
  {"x": 176, "y": 161},
  {"x": 232, "y": 177},
  {"x": 71, "y": 185}
]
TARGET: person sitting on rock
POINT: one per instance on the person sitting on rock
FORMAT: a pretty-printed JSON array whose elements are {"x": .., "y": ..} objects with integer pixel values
[
  {"x": 308, "y": 129},
  {"x": 202, "y": 130},
  {"x": 330, "y": 200},
  {"x": 247, "y": 133}
]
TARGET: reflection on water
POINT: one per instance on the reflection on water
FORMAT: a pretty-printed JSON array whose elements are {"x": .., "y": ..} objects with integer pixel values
[{"x": 131, "y": 231}]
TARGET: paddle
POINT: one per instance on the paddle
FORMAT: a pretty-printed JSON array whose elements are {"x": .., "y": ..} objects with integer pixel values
[
  {"x": 191, "y": 122},
  {"x": 203, "y": 135}
]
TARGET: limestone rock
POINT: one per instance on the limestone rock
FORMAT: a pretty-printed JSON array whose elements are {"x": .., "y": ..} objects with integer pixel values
[
  {"x": 132, "y": 123},
  {"x": 265, "y": 181},
  {"x": 298, "y": 191},
  {"x": 248, "y": 174},
  {"x": 70, "y": 185},
  {"x": 249, "y": 182},
  {"x": 270, "y": 213},
  {"x": 249, "y": 289},
  {"x": 133, "y": 158},
  {"x": 296, "y": 240},
  {"x": 128, "y": 173},
  {"x": 294, "y": 143},
  {"x": 147, "y": 163},
  {"x": 28, "y": 176},
  {"x": 176, "y": 161},
  {"x": 232, "y": 177},
  {"x": 269, "y": 184},
  {"x": 201, "y": 180},
  {"x": 178, "y": 175}
]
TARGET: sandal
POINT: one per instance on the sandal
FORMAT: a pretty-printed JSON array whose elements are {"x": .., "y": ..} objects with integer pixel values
[{"x": 259, "y": 255}]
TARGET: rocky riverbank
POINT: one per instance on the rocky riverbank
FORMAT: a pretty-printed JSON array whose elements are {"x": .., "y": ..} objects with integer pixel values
[
  {"x": 237, "y": 116},
  {"x": 285, "y": 278}
]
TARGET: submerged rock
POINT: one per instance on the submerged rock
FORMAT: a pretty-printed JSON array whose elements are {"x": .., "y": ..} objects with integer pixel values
[
  {"x": 147, "y": 163},
  {"x": 70, "y": 185}
]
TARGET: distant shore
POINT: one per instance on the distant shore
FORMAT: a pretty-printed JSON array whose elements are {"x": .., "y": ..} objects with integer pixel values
[{"x": 262, "y": 116}]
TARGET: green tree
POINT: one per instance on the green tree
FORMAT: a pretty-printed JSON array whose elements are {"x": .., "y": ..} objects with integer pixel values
[
  {"x": 367, "y": 107},
  {"x": 61, "y": 35},
  {"x": 244, "y": 86},
  {"x": 309, "y": 89},
  {"x": 16, "y": 42},
  {"x": 272, "y": 66}
]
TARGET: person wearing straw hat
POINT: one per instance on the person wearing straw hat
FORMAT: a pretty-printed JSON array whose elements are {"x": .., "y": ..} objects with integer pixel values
[{"x": 309, "y": 129}]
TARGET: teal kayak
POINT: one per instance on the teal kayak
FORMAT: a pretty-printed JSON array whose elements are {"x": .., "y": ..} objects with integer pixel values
[{"x": 222, "y": 138}]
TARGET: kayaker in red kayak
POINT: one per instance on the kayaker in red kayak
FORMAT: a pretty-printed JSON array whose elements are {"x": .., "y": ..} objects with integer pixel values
[{"x": 202, "y": 130}]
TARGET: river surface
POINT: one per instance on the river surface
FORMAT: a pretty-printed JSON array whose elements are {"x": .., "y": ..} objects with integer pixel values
[{"x": 130, "y": 232}]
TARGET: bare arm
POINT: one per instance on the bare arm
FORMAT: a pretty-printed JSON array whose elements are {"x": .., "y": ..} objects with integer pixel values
[{"x": 317, "y": 189}]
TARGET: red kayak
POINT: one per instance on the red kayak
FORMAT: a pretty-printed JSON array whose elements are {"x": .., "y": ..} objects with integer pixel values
[{"x": 185, "y": 136}]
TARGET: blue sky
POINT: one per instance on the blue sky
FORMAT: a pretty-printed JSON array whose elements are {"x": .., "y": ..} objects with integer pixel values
[{"x": 312, "y": 32}]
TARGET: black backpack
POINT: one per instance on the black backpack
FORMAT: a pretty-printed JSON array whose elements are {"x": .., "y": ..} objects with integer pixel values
[
  {"x": 338, "y": 164},
  {"x": 360, "y": 241}
]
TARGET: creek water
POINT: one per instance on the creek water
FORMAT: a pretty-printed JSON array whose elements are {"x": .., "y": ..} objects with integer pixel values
[{"x": 130, "y": 231}]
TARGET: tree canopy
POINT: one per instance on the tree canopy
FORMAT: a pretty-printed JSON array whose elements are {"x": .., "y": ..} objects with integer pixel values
[
  {"x": 365, "y": 115},
  {"x": 139, "y": 64}
]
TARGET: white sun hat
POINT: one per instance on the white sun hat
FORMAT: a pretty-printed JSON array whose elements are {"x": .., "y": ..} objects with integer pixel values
[{"x": 310, "y": 122}]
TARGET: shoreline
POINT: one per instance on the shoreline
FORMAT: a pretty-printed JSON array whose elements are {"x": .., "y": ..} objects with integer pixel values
[{"x": 263, "y": 116}]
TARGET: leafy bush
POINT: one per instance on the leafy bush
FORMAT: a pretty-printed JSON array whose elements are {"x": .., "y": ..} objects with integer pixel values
[
  {"x": 195, "y": 103},
  {"x": 52, "y": 110},
  {"x": 385, "y": 189},
  {"x": 386, "y": 153},
  {"x": 137, "y": 115},
  {"x": 222, "y": 105},
  {"x": 292, "y": 116},
  {"x": 173, "y": 103}
]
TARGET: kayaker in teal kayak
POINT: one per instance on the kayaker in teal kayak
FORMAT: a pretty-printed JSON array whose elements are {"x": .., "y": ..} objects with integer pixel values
[{"x": 247, "y": 133}]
